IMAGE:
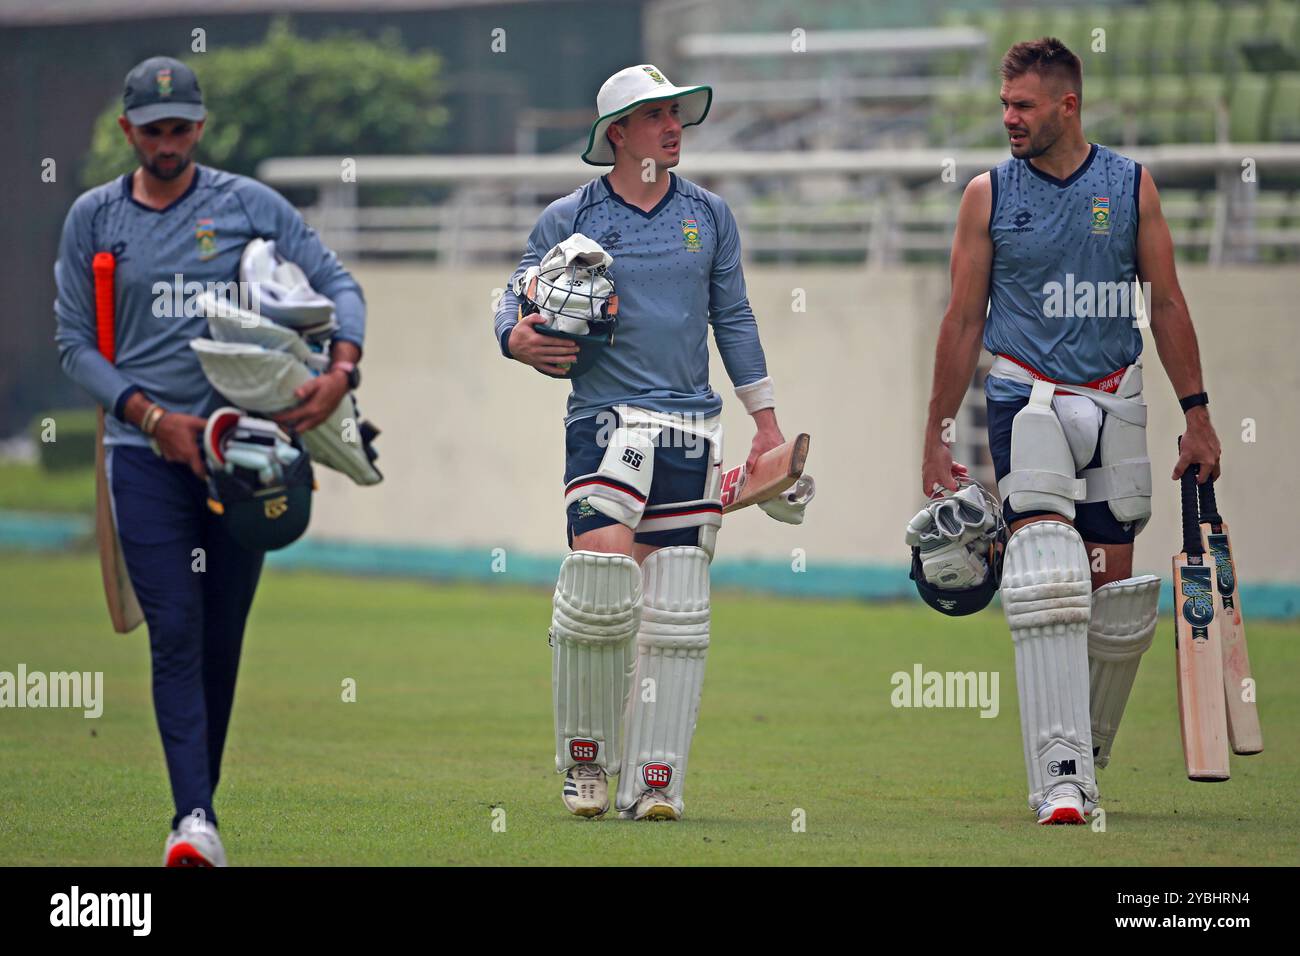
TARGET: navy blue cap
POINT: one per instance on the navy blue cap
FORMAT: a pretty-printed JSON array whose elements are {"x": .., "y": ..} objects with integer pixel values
[{"x": 162, "y": 88}]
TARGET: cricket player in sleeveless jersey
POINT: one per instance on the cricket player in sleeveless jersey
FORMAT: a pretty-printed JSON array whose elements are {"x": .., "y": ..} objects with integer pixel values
[
  {"x": 1050, "y": 244},
  {"x": 630, "y": 630},
  {"x": 173, "y": 221}
]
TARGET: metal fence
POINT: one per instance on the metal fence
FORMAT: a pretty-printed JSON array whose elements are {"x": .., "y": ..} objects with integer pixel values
[{"x": 1232, "y": 202}]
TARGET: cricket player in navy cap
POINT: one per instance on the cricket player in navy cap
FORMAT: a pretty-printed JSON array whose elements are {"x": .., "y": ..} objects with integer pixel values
[{"x": 173, "y": 218}]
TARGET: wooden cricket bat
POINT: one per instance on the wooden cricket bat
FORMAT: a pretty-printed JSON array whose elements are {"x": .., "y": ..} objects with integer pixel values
[
  {"x": 1238, "y": 686},
  {"x": 774, "y": 472},
  {"x": 123, "y": 607},
  {"x": 1201, "y": 708}
]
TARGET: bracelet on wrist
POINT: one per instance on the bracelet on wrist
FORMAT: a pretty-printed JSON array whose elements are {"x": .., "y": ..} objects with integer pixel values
[
  {"x": 1194, "y": 401},
  {"x": 152, "y": 416}
]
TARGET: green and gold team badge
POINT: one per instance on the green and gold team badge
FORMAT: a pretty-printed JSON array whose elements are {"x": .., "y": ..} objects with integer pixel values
[
  {"x": 205, "y": 231},
  {"x": 585, "y": 510},
  {"x": 691, "y": 235},
  {"x": 654, "y": 74},
  {"x": 164, "y": 78},
  {"x": 1100, "y": 215}
]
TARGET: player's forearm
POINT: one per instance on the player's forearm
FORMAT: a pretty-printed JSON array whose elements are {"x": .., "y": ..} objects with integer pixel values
[
  {"x": 343, "y": 350},
  {"x": 765, "y": 421},
  {"x": 350, "y": 308},
  {"x": 84, "y": 365},
  {"x": 955, "y": 357},
  {"x": 1171, "y": 327}
]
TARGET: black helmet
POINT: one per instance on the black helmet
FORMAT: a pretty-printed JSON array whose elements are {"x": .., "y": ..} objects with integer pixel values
[
  {"x": 962, "y": 534},
  {"x": 260, "y": 479}
]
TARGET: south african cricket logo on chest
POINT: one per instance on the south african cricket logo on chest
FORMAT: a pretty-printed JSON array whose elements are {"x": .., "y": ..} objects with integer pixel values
[
  {"x": 205, "y": 233},
  {"x": 1100, "y": 215},
  {"x": 691, "y": 235}
]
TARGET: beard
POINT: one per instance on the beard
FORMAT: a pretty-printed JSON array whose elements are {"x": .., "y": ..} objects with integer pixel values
[
  {"x": 165, "y": 173},
  {"x": 1036, "y": 144}
]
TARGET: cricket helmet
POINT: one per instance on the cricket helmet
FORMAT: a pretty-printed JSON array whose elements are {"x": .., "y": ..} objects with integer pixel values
[
  {"x": 957, "y": 541},
  {"x": 260, "y": 479},
  {"x": 573, "y": 291}
]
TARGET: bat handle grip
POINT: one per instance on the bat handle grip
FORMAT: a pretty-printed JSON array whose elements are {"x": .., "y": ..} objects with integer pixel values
[
  {"x": 1191, "y": 513},
  {"x": 1209, "y": 506}
]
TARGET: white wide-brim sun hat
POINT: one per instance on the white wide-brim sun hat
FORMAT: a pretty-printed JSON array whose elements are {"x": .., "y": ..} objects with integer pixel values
[{"x": 626, "y": 90}]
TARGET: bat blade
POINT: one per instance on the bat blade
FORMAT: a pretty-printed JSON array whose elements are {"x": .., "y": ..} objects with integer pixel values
[
  {"x": 774, "y": 472},
  {"x": 1244, "y": 734},
  {"x": 1202, "y": 711},
  {"x": 123, "y": 607}
]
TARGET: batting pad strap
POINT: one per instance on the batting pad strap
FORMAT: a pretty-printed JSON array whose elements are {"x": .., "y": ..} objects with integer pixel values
[
  {"x": 1125, "y": 479},
  {"x": 596, "y": 611},
  {"x": 757, "y": 396},
  {"x": 1049, "y": 482}
]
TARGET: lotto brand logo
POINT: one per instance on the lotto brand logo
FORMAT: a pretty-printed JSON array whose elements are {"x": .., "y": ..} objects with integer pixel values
[
  {"x": 1021, "y": 221},
  {"x": 1061, "y": 768},
  {"x": 657, "y": 776},
  {"x": 633, "y": 458},
  {"x": 583, "y": 751}
]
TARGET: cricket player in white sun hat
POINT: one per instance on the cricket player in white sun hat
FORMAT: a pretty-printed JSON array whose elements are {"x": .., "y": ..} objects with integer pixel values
[{"x": 658, "y": 257}]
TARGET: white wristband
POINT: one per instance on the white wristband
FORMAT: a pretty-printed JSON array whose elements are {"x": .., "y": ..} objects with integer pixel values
[{"x": 757, "y": 396}]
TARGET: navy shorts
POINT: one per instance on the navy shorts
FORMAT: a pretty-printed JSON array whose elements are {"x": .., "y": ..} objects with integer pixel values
[
  {"x": 681, "y": 473},
  {"x": 1093, "y": 521}
]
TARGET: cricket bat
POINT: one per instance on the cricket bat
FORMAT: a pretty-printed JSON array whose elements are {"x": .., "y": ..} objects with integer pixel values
[
  {"x": 123, "y": 608},
  {"x": 1238, "y": 686},
  {"x": 774, "y": 472},
  {"x": 1202, "y": 711}
]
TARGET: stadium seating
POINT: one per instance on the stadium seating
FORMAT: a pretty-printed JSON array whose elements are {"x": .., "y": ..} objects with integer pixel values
[{"x": 1173, "y": 71}]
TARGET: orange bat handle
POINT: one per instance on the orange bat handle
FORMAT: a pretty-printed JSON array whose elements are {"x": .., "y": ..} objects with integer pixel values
[{"x": 103, "y": 267}]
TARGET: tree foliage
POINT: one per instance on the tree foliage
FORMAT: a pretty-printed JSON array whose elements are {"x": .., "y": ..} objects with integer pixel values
[{"x": 342, "y": 95}]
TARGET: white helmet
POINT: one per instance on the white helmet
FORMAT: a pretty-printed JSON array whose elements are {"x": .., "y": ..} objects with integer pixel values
[
  {"x": 279, "y": 290},
  {"x": 572, "y": 290}
]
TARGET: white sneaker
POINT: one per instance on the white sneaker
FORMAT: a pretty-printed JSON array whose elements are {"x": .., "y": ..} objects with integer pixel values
[
  {"x": 586, "y": 791},
  {"x": 653, "y": 805},
  {"x": 194, "y": 843},
  {"x": 1065, "y": 805}
]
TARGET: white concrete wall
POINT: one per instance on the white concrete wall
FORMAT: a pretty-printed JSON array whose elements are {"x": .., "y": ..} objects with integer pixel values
[{"x": 472, "y": 448}]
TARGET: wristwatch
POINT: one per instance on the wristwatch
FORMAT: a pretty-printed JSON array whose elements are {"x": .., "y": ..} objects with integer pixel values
[{"x": 350, "y": 370}]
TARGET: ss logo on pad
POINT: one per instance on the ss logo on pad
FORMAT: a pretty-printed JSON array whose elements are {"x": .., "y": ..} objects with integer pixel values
[{"x": 633, "y": 458}]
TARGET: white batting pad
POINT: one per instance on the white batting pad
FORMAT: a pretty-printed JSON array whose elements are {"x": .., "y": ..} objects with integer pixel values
[
  {"x": 671, "y": 648},
  {"x": 1122, "y": 626},
  {"x": 262, "y": 380},
  {"x": 597, "y": 607},
  {"x": 1047, "y": 598}
]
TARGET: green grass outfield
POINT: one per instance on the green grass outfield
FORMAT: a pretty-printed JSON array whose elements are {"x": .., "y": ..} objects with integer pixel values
[{"x": 451, "y": 733}]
